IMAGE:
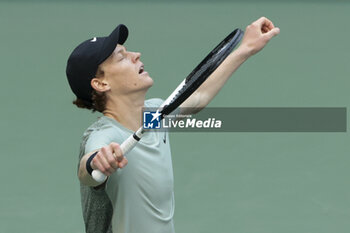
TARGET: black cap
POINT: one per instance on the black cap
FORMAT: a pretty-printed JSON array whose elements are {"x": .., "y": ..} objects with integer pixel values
[{"x": 84, "y": 60}]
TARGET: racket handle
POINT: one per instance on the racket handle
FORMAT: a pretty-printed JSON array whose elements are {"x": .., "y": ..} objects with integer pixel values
[
  {"x": 125, "y": 147},
  {"x": 98, "y": 176}
]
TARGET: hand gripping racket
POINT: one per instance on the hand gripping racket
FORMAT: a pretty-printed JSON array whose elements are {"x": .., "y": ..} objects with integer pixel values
[{"x": 185, "y": 89}]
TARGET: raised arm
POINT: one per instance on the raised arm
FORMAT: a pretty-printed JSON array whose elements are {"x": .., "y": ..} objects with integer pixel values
[{"x": 256, "y": 36}]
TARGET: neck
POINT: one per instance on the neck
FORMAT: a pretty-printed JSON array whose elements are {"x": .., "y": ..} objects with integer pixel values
[{"x": 127, "y": 110}]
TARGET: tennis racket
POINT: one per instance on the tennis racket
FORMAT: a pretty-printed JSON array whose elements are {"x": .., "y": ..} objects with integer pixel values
[{"x": 185, "y": 89}]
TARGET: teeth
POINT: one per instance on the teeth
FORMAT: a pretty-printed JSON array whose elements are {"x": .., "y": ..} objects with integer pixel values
[{"x": 141, "y": 69}]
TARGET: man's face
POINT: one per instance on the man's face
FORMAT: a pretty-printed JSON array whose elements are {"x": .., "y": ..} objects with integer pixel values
[{"x": 124, "y": 72}]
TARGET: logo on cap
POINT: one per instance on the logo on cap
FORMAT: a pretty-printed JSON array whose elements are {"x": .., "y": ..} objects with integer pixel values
[{"x": 94, "y": 39}]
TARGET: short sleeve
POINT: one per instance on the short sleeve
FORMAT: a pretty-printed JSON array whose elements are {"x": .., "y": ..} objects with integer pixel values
[
  {"x": 100, "y": 137},
  {"x": 154, "y": 102},
  {"x": 95, "y": 141}
]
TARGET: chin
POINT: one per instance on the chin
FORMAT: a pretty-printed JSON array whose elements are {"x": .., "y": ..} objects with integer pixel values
[
  {"x": 150, "y": 81},
  {"x": 147, "y": 84}
]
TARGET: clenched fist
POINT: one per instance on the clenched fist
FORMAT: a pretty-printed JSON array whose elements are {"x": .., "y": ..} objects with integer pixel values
[
  {"x": 109, "y": 159},
  {"x": 258, "y": 34}
]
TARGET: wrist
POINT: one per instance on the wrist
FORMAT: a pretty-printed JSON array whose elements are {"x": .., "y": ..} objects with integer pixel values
[
  {"x": 89, "y": 169},
  {"x": 244, "y": 52}
]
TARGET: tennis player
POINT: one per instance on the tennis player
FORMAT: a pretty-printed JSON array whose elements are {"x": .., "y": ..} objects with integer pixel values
[{"x": 138, "y": 196}]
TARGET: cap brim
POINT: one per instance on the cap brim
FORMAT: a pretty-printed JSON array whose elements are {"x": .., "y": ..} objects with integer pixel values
[{"x": 118, "y": 36}]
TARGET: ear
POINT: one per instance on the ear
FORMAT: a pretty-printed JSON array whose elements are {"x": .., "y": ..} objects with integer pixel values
[{"x": 100, "y": 84}]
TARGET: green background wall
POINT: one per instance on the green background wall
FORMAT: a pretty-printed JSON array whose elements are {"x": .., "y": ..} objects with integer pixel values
[{"x": 224, "y": 182}]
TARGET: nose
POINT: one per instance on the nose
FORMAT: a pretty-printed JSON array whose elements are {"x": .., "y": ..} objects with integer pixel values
[{"x": 136, "y": 56}]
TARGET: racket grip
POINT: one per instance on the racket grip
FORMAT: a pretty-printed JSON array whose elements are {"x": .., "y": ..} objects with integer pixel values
[
  {"x": 125, "y": 147},
  {"x": 98, "y": 176},
  {"x": 129, "y": 143}
]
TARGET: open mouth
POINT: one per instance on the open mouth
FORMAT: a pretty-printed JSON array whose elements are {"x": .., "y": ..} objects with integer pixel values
[{"x": 141, "y": 70}]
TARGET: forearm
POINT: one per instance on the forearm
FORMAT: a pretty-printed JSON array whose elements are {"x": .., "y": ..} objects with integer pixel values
[
  {"x": 219, "y": 77},
  {"x": 208, "y": 90}
]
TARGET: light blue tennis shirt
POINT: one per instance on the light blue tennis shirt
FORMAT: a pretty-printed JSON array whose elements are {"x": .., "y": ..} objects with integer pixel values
[{"x": 142, "y": 193}]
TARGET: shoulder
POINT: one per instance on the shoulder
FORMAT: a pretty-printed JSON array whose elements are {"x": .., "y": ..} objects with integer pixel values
[
  {"x": 101, "y": 125},
  {"x": 99, "y": 134},
  {"x": 154, "y": 102}
]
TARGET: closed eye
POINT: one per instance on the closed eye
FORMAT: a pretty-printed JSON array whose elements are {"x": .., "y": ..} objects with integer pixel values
[
  {"x": 119, "y": 56},
  {"x": 119, "y": 53}
]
